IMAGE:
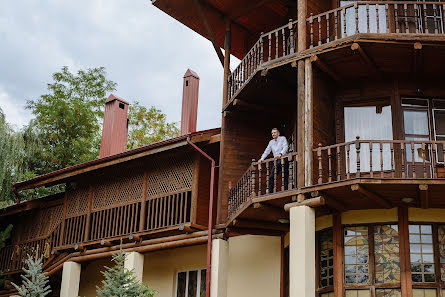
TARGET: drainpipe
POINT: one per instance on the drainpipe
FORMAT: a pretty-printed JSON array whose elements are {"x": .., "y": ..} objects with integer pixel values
[{"x": 210, "y": 227}]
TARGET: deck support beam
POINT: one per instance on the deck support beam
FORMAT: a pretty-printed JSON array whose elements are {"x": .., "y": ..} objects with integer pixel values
[
  {"x": 209, "y": 30},
  {"x": 373, "y": 196},
  {"x": 425, "y": 199},
  {"x": 302, "y": 252},
  {"x": 325, "y": 68},
  {"x": 366, "y": 59}
]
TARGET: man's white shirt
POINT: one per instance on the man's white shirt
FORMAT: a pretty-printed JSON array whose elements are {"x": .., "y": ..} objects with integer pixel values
[{"x": 278, "y": 146}]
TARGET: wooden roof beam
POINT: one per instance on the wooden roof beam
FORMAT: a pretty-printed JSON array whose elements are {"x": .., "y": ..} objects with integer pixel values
[
  {"x": 245, "y": 10},
  {"x": 209, "y": 31},
  {"x": 373, "y": 196},
  {"x": 425, "y": 197},
  {"x": 238, "y": 102},
  {"x": 254, "y": 224},
  {"x": 366, "y": 59},
  {"x": 325, "y": 68}
]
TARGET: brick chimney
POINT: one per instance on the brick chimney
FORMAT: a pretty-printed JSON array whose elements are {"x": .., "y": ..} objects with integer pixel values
[
  {"x": 190, "y": 92},
  {"x": 114, "y": 130}
]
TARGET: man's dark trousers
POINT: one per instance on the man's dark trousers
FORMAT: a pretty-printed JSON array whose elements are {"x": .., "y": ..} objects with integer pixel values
[{"x": 286, "y": 174}]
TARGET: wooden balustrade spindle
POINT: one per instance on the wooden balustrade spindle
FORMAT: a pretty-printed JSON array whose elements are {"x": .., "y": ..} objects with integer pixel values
[
  {"x": 329, "y": 165},
  {"x": 270, "y": 47},
  {"x": 377, "y": 15},
  {"x": 290, "y": 175},
  {"x": 426, "y": 19},
  {"x": 416, "y": 18},
  {"x": 387, "y": 17},
  {"x": 402, "y": 148},
  {"x": 392, "y": 159},
  {"x": 348, "y": 168},
  {"x": 356, "y": 17},
  {"x": 396, "y": 18},
  {"x": 343, "y": 12},
  {"x": 267, "y": 177},
  {"x": 338, "y": 163},
  {"x": 433, "y": 158},
  {"x": 320, "y": 165},
  {"x": 275, "y": 179},
  {"x": 435, "y": 19},
  {"x": 311, "y": 22},
  {"x": 367, "y": 18},
  {"x": 328, "y": 39},
  {"x": 405, "y": 7},
  {"x": 423, "y": 147},
  {"x": 357, "y": 149},
  {"x": 262, "y": 48},
  {"x": 276, "y": 44},
  {"x": 381, "y": 160},
  {"x": 291, "y": 37},
  {"x": 370, "y": 160},
  {"x": 413, "y": 166},
  {"x": 260, "y": 169},
  {"x": 319, "y": 30},
  {"x": 284, "y": 42},
  {"x": 336, "y": 25},
  {"x": 253, "y": 178}
]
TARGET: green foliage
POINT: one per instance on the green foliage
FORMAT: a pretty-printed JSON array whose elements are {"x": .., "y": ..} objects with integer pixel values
[
  {"x": 68, "y": 118},
  {"x": 5, "y": 235},
  {"x": 16, "y": 154},
  {"x": 120, "y": 282},
  {"x": 147, "y": 126},
  {"x": 34, "y": 281}
]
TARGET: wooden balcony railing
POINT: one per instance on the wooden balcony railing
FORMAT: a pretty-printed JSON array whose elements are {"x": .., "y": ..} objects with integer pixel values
[
  {"x": 263, "y": 178},
  {"x": 407, "y": 159},
  {"x": 271, "y": 46},
  {"x": 376, "y": 17}
]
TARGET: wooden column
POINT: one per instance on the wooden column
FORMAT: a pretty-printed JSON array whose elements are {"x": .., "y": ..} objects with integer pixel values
[
  {"x": 300, "y": 124},
  {"x": 223, "y": 192},
  {"x": 338, "y": 255},
  {"x": 405, "y": 262},
  {"x": 397, "y": 127},
  {"x": 308, "y": 124},
  {"x": 301, "y": 29}
]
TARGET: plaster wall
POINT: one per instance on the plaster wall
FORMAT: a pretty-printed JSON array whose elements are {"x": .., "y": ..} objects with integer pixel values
[
  {"x": 90, "y": 277},
  {"x": 434, "y": 215},
  {"x": 369, "y": 216},
  {"x": 323, "y": 222},
  {"x": 254, "y": 266}
]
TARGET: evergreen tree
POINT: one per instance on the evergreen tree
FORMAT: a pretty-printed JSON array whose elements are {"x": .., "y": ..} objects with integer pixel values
[
  {"x": 120, "y": 282},
  {"x": 34, "y": 281}
]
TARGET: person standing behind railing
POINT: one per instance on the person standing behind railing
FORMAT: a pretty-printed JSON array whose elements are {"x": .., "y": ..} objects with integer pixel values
[{"x": 278, "y": 146}]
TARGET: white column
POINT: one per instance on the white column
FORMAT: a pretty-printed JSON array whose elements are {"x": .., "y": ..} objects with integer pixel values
[
  {"x": 135, "y": 261},
  {"x": 70, "y": 279},
  {"x": 220, "y": 260},
  {"x": 302, "y": 252}
]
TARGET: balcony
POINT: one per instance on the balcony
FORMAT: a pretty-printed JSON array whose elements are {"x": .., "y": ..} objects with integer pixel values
[
  {"x": 383, "y": 171},
  {"x": 401, "y": 20}
]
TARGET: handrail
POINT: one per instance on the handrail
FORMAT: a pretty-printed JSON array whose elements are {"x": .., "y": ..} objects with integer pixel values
[
  {"x": 262, "y": 178},
  {"x": 379, "y": 158}
]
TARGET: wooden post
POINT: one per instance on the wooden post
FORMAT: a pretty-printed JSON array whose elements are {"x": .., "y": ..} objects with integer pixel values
[
  {"x": 397, "y": 127},
  {"x": 223, "y": 191},
  {"x": 308, "y": 115},
  {"x": 338, "y": 255},
  {"x": 88, "y": 219},
  {"x": 301, "y": 29},
  {"x": 62, "y": 227},
  {"x": 405, "y": 262},
  {"x": 300, "y": 121},
  {"x": 143, "y": 218}
]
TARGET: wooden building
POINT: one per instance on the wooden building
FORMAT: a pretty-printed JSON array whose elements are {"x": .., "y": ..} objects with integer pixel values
[{"x": 354, "y": 86}]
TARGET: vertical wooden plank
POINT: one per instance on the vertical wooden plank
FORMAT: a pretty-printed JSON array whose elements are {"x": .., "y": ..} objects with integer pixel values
[
  {"x": 338, "y": 255},
  {"x": 88, "y": 218},
  {"x": 164, "y": 210},
  {"x": 405, "y": 262},
  {"x": 436, "y": 257},
  {"x": 195, "y": 187},
  {"x": 65, "y": 209},
  {"x": 143, "y": 216},
  {"x": 371, "y": 264}
]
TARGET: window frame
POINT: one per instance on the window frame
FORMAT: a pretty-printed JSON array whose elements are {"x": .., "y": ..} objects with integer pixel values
[{"x": 198, "y": 281}]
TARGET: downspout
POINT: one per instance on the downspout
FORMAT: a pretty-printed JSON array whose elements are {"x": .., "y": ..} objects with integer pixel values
[{"x": 210, "y": 227}]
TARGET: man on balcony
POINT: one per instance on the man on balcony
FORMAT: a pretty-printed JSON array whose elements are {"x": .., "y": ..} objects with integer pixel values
[{"x": 278, "y": 146}]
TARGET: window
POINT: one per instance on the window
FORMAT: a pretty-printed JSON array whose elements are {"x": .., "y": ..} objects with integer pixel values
[
  {"x": 422, "y": 255},
  {"x": 191, "y": 283},
  {"x": 388, "y": 293},
  {"x": 356, "y": 255},
  {"x": 326, "y": 258},
  {"x": 370, "y": 123},
  {"x": 386, "y": 251}
]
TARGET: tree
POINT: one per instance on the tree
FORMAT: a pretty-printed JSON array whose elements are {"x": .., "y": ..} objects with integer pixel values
[
  {"x": 34, "y": 281},
  {"x": 147, "y": 126},
  {"x": 15, "y": 156},
  {"x": 120, "y": 282},
  {"x": 68, "y": 118}
]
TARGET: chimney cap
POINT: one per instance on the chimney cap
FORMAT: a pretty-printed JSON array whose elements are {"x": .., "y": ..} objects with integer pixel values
[
  {"x": 113, "y": 97},
  {"x": 190, "y": 72}
]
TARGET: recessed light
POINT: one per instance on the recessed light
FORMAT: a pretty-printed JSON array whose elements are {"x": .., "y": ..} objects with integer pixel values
[{"x": 407, "y": 199}]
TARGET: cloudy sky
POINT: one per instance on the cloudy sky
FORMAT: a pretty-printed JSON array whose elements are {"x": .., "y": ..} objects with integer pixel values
[{"x": 144, "y": 50}]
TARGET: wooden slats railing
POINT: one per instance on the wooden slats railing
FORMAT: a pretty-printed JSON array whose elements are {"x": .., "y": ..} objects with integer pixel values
[
  {"x": 376, "y": 17},
  {"x": 12, "y": 257},
  {"x": 271, "y": 46},
  {"x": 263, "y": 178},
  {"x": 408, "y": 159}
]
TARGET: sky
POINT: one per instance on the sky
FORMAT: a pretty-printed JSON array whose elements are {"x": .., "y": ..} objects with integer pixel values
[{"x": 145, "y": 51}]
